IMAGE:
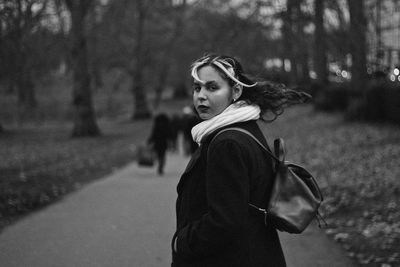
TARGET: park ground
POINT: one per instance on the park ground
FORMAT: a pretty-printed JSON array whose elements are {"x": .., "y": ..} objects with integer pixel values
[
  {"x": 355, "y": 163},
  {"x": 127, "y": 218}
]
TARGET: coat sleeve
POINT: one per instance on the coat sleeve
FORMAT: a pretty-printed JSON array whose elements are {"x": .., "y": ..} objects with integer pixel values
[{"x": 227, "y": 187}]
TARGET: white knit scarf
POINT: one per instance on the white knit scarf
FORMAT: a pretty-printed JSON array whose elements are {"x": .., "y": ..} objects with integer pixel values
[{"x": 237, "y": 112}]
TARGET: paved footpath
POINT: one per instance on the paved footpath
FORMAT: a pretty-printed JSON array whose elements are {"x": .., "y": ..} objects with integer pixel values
[{"x": 127, "y": 219}]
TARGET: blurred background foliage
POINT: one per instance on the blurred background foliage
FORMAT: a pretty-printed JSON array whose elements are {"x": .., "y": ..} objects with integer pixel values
[
  {"x": 99, "y": 64},
  {"x": 61, "y": 55}
]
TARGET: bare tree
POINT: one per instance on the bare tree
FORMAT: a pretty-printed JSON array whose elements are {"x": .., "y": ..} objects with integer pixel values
[
  {"x": 337, "y": 38},
  {"x": 93, "y": 22},
  {"x": 141, "y": 110},
  {"x": 124, "y": 46},
  {"x": 155, "y": 41},
  {"x": 358, "y": 29},
  {"x": 302, "y": 19},
  {"x": 289, "y": 39},
  {"x": 178, "y": 12},
  {"x": 320, "y": 58},
  {"x": 84, "y": 118},
  {"x": 19, "y": 18}
]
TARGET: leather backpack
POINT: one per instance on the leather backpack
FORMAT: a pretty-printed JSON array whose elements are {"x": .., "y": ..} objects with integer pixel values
[{"x": 295, "y": 196}]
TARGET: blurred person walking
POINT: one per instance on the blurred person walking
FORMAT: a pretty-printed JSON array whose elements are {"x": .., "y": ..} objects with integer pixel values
[
  {"x": 215, "y": 224},
  {"x": 159, "y": 138}
]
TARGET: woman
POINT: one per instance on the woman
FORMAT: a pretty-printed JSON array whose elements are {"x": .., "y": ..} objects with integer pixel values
[
  {"x": 159, "y": 138},
  {"x": 215, "y": 226}
]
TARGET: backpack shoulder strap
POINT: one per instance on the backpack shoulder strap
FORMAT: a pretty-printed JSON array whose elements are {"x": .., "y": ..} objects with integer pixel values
[
  {"x": 250, "y": 135},
  {"x": 279, "y": 149}
]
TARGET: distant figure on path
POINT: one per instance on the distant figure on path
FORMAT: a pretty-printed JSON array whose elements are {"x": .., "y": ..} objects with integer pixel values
[
  {"x": 215, "y": 224},
  {"x": 159, "y": 138}
]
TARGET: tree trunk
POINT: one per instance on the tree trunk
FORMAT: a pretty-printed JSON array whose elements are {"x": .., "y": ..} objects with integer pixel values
[
  {"x": 380, "y": 54},
  {"x": 162, "y": 78},
  {"x": 112, "y": 91},
  {"x": 94, "y": 62},
  {"x": 84, "y": 118},
  {"x": 140, "y": 101},
  {"x": 358, "y": 27},
  {"x": 25, "y": 90},
  {"x": 141, "y": 110},
  {"x": 290, "y": 40},
  {"x": 22, "y": 77},
  {"x": 166, "y": 57},
  {"x": 320, "y": 59},
  {"x": 302, "y": 47},
  {"x": 305, "y": 68}
]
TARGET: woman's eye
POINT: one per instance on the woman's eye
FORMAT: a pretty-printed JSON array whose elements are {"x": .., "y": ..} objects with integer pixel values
[
  {"x": 196, "y": 88},
  {"x": 212, "y": 87}
]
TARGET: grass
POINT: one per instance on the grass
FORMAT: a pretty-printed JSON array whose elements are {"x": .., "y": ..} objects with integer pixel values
[
  {"x": 43, "y": 164},
  {"x": 356, "y": 164}
]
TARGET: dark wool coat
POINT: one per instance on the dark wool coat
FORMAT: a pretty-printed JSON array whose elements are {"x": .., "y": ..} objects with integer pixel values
[{"x": 215, "y": 226}]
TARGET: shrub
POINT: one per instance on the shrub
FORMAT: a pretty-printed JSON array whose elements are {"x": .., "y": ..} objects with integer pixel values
[
  {"x": 356, "y": 110},
  {"x": 379, "y": 102},
  {"x": 314, "y": 88},
  {"x": 333, "y": 97},
  {"x": 391, "y": 102}
]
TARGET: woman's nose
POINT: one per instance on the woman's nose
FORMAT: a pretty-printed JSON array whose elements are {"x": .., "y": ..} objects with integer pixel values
[{"x": 202, "y": 94}]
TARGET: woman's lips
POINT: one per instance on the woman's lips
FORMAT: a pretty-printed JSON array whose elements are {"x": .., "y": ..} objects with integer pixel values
[{"x": 202, "y": 108}]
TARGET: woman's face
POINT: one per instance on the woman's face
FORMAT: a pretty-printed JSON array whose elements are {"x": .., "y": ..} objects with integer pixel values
[{"x": 212, "y": 97}]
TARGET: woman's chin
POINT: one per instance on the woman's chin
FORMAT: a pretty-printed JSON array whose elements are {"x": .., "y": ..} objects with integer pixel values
[{"x": 205, "y": 116}]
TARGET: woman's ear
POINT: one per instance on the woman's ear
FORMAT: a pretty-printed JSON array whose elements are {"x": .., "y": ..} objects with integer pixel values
[{"x": 237, "y": 91}]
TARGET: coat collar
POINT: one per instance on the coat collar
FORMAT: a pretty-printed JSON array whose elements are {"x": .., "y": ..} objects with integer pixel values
[
  {"x": 193, "y": 161},
  {"x": 195, "y": 157},
  {"x": 202, "y": 149},
  {"x": 198, "y": 155}
]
